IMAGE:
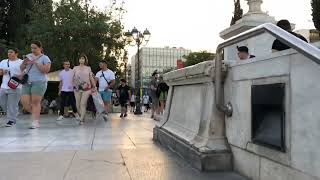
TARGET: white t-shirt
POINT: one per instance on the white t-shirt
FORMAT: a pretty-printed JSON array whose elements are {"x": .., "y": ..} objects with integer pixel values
[
  {"x": 145, "y": 99},
  {"x": 108, "y": 75},
  {"x": 133, "y": 98},
  {"x": 66, "y": 78},
  {"x": 14, "y": 68}
]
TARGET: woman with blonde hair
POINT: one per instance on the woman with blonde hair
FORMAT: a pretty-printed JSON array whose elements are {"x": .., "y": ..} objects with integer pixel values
[{"x": 84, "y": 85}]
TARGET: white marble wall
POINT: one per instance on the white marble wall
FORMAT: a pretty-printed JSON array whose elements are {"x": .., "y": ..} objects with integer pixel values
[
  {"x": 260, "y": 46},
  {"x": 191, "y": 114},
  {"x": 302, "y": 159}
]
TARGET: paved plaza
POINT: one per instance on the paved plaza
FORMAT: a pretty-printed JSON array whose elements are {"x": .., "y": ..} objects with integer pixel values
[{"x": 117, "y": 149}]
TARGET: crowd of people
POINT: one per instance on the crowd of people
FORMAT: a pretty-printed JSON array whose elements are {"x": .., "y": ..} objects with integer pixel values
[{"x": 25, "y": 81}]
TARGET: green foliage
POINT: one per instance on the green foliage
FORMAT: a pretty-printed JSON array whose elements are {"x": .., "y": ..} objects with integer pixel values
[
  {"x": 238, "y": 12},
  {"x": 72, "y": 28},
  {"x": 66, "y": 29},
  {"x": 13, "y": 15},
  {"x": 316, "y": 13},
  {"x": 198, "y": 57}
]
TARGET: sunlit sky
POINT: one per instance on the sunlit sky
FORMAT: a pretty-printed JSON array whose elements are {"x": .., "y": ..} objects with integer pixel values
[{"x": 195, "y": 24}]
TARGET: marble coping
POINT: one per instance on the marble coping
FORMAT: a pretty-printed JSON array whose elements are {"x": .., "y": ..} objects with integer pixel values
[{"x": 204, "y": 69}]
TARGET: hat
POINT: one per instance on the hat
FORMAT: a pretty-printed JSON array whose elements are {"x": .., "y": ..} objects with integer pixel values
[{"x": 243, "y": 49}]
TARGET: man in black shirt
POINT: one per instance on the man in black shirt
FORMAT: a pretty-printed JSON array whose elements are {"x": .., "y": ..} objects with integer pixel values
[
  {"x": 124, "y": 94},
  {"x": 285, "y": 25},
  {"x": 243, "y": 53}
]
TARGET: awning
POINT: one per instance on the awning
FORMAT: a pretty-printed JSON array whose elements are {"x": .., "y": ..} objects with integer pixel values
[{"x": 53, "y": 76}]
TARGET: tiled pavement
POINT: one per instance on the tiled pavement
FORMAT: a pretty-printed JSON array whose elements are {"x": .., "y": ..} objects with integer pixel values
[{"x": 117, "y": 149}]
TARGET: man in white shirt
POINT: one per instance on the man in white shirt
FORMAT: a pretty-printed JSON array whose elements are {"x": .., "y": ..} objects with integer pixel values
[
  {"x": 146, "y": 102},
  {"x": 9, "y": 96},
  {"x": 66, "y": 91},
  {"x": 106, "y": 80}
]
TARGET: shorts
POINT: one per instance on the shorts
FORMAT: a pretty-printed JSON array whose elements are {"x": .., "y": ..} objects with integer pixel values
[
  {"x": 34, "y": 88},
  {"x": 163, "y": 96},
  {"x": 132, "y": 104},
  {"x": 106, "y": 96},
  {"x": 123, "y": 103},
  {"x": 155, "y": 102}
]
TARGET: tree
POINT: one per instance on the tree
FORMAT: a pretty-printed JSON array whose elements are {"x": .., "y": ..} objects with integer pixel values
[
  {"x": 316, "y": 13},
  {"x": 73, "y": 28},
  {"x": 14, "y": 15},
  {"x": 198, "y": 57},
  {"x": 238, "y": 12}
]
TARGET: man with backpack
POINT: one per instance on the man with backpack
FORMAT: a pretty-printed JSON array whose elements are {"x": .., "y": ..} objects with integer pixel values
[{"x": 106, "y": 80}]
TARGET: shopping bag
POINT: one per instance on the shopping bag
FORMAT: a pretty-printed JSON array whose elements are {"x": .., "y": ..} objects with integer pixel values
[{"x": 98, "y": 102}]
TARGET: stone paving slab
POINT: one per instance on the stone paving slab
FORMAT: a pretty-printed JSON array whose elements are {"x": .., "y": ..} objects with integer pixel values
[{"x": 117, "y": 149}]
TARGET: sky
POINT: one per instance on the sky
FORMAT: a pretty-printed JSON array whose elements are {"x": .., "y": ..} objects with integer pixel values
[{"x": 196, "y": 24}]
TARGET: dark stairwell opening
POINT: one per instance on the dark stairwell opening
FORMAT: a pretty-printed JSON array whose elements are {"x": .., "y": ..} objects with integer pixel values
[{"x": 268, "y": 115}]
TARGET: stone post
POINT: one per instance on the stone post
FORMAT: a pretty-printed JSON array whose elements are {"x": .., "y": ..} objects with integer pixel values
[{"x": 255, "y": 6}]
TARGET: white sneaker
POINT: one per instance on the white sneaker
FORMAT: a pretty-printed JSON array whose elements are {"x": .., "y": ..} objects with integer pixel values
[
  {"x": 35, "y": 125},
  {"x": 77, "y": 116},
  {"x": 105, "y": 117},
  {"x": 60, "y": 118}
]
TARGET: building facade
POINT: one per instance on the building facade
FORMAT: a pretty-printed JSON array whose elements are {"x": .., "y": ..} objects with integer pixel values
[{"x": 152, "y": 59}]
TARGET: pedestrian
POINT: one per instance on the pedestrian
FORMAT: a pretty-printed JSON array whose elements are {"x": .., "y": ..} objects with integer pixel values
[
  {"x": 10, "y": 96},
  {"x": 162, "y": 93},
  {"x": 153, "y": 92},
  {"x": 146, "y": 102},
  {"x": 84, "y": 85},
  {"x": 124, "y": 95},
  {"x": 66, "y": 91},
  {"x": 44, "y": 106},
  {"x": 243, "y": 53},
  {"x": 36, "y": 66},
  {"x": 106, "y": 80},
  {"x": 132, "y": 102},
  {"x": 53, "y": 105},
  {"x": 285, "y": 25}
]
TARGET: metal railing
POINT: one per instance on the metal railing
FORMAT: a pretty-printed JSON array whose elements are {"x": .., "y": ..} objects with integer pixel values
[{"x": 295, "y": 43}]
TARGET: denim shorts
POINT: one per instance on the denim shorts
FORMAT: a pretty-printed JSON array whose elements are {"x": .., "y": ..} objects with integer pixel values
[
  {"x": 34, "y": 88},
  {"x": 106, "y": 96}
]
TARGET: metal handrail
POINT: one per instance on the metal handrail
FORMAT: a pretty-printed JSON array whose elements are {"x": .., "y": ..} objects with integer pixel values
[{"x": 295, "y": 43}]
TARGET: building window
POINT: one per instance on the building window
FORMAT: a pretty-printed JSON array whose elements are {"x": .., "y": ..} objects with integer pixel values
[{"x": 268, "y": 115}]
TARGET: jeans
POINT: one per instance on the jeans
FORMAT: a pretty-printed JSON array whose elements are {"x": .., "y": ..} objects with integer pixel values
[
  {"x": 9, "y": 102},
  {"x": 82, "y": 99},
  {"x": 67, "y": 98}
]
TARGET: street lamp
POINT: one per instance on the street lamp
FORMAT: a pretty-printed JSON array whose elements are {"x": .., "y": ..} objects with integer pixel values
[
  {"x": 136, "y": 38},
  {"x": 125, "y": 60}
]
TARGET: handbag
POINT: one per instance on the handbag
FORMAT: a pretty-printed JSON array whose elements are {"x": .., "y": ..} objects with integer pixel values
[
  {"x": 25, "y": 77},
  {"x": 13, "y": 82},
  {"x": 104, "y": 77}
]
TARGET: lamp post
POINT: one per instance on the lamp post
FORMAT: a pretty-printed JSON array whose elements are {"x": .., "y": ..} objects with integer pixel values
[
  {"x": 125, "y": 60},
  {"x": 136, "y": 38}
]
